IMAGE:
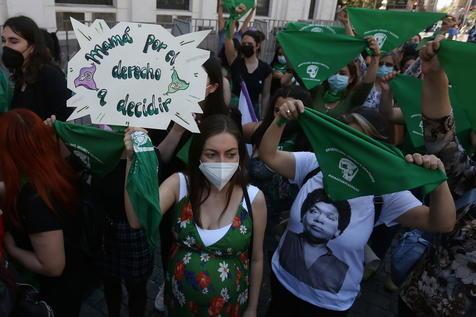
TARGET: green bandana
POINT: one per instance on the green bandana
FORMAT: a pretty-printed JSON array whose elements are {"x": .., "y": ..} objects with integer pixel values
[
  {"x": 143, "y": 186},
  {"x": 317, "y": 56},
  {"x": 356, "y": 165},
  {"x": 184, "y": 150},
  {"x": 230, "y": 6},
  {"x": 309, "y": 27},
  {"x": 390, "y": 28},
  {"x": 458, "y": 59},
  {"x": 100, "y": 151},
  {"x": 332, "y": 96},
  {"x": 407, "y": 92},
  {"x": 6, "y": 92}
]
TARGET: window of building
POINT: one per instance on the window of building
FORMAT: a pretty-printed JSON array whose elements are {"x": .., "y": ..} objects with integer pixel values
[
  {"x": 100, "y": 2},
  {"x": 165, "y": 20},
  {"x": 109, "y": 18},
  {"x": 174, "y": 4},
  {"x": 64, "y": 23},
  {"x": 262, "y": 8},
  {"x": 312, "y": 9}
]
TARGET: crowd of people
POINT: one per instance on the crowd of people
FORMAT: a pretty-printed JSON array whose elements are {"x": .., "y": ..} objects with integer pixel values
[{"x": 225, "y": 193}]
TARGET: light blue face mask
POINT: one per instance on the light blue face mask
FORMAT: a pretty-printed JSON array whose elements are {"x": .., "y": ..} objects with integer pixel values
[
  {"x": 338, "y": 82},
  {"x": 384, "y": 70}
]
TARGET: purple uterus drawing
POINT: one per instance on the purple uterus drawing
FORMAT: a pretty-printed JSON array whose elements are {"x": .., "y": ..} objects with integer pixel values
[{"x": 86, "y": 78}]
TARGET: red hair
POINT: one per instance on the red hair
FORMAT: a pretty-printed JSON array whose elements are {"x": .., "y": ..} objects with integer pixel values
[{"x": 29, "y": 150}]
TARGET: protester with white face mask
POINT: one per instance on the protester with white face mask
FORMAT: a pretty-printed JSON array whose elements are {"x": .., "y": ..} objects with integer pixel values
[
  {"x": 343, "y": 91},
  {"x": 216, "y": 264}
]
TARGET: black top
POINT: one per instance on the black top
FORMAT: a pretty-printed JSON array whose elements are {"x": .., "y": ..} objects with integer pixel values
[
  {"x": 46, "y": 96},
  {"x": 37, "y": 217},
  {"x": 254, "y": 81},
  {"x": 109, "y": 189}
]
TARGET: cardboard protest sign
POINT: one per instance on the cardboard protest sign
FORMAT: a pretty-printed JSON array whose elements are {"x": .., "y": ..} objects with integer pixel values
[{"x": 137, "y": 75}]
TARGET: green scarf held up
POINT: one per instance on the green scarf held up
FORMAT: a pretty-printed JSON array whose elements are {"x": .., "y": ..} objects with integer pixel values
[
  {"x": 458, "y": 59},
  {"x": 356, "y": 165},
  {"x": 230, "y": 7},
  {"x": 143, "y": 186},
  {"x": 315, "y": 56},
  {"x": 390, "y": 28},
  {"x": 407, "y": 91},
  {"x": 310, "y": 27},
  {"x": 100, "y": 152}
]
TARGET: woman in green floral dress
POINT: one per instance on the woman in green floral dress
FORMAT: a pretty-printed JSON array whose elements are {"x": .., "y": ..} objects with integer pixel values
[{"x": 216, "y": 264}]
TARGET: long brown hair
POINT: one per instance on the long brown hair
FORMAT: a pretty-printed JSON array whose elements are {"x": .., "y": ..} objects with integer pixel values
[
  {"x": 29, "y": 30},
  {"x": 29, "y": 150},
  {"x": 197, "y": 182}
]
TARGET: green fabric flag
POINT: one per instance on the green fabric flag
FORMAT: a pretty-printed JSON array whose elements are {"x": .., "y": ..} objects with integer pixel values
[
  {"x": 230, "y": 7},
  {"x": 390, "y": 28},
  {"x": 458, "y": 59},
  {"x": 6, "y": 92},
  {"x": 407, "y": 92},
  {"x": 315, "y": 56},
  {"x": 143, "y": 186},
  {"x": 183, "y": 152},
  {"x": 100, "y": 151},
  {"x": 356, "y": 165},
  {"x": 311, "y": 27}
]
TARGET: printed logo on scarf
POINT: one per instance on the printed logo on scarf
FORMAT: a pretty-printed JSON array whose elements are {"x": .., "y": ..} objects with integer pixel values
[{"x": 347, "y": 169}]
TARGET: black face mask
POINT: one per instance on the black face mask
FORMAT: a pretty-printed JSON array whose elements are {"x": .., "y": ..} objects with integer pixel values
[
  {"x": 247, "y": 50},
  {"x": 12, "y": 59}
]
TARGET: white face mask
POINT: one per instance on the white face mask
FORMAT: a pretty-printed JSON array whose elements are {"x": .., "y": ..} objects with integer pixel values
[{"x": 219, "y": 174}]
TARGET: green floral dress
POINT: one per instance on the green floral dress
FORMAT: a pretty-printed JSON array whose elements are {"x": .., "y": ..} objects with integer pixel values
[{"x": 208, "y": 280}]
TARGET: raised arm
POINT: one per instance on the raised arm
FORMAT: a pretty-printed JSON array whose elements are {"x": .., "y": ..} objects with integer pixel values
[
  {"x": 344, "y": 19},
  {"x": 386, "y": 108},
  {"x": 280, "y": 161},
  {"x": 230, "y": 51},
  {"x": 435, "y": 95},
  {"x": 168, "y": 190},
  {"x": 265, "y": 94},
  {"x": 169, "y": 144},
  {"x": 441, "y": 215},
  {"x": 221, "y": 18}
]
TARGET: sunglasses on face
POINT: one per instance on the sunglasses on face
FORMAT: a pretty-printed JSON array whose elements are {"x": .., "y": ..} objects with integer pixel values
[{"x": 388, "y": 64}]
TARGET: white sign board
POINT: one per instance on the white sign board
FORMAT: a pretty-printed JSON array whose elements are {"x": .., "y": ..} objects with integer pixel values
[{"x": 137, "y": 75}]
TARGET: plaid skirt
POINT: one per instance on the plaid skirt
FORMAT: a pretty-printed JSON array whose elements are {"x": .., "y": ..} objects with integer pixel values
[{"x": 126, "y": 253}]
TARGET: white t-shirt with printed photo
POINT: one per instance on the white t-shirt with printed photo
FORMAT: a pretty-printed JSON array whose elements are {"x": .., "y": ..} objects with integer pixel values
[{"x": 333, "y": 280}]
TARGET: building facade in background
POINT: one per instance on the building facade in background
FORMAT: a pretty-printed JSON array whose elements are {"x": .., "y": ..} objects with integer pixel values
[{"x": 54, "y": 14}]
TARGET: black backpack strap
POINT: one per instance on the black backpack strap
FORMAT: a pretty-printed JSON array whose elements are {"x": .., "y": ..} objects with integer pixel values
[
  {"x": 311, "y": 174},
  {"x": 250, "y": 212},
  {"x": 248, "y": 202},
  {"x": 378, "y": 205}
]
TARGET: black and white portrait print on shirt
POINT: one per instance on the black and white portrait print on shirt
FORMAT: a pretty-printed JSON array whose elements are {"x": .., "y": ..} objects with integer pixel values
[{"x": 306, "y": 255}]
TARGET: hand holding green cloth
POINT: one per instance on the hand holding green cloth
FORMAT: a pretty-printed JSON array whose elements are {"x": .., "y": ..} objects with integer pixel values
[
  {"x": 459, "y": 61},
  {"x": 143, "y": 186},
  {"x": 100, "y": 151},
  {"x": 356, "y": 165},
  {"x": 315, "y": 56},
  {"x": 310, "y": 27},
  {"x": 230, "y": 7},
  {"x": 407, "y": 92},
  {"x": 390, "y": 28}
]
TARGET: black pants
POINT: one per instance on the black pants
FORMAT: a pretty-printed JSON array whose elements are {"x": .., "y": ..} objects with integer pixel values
[
  {"x": 284, "y": 303},
  {"x": 137, "y": 293}
]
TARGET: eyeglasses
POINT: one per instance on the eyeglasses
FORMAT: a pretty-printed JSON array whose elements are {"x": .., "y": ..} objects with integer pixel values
[{"x": 388, "y": 64}]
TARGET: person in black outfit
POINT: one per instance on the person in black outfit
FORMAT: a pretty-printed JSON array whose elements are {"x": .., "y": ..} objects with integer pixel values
[
  {"x": 40, "y": 86},
  {"x": 126, "y": 253},
  {"x": 248, "y": 68},
  {"x": 41, "y": 205}
]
